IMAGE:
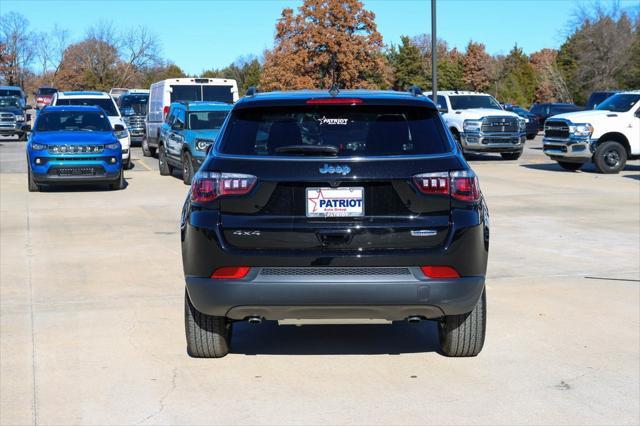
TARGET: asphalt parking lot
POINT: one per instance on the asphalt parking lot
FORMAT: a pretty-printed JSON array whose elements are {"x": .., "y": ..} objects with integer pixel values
[{"x": 92, "y": 316}]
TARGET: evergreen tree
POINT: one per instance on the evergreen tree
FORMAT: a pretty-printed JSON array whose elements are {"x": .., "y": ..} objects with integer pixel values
[
  {"x": 517, "y": 79},
  {"x": 407, "y": 64}
]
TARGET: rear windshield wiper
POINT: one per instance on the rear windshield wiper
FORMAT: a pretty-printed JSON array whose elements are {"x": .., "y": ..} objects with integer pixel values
[{"x": 308, "y": 149}]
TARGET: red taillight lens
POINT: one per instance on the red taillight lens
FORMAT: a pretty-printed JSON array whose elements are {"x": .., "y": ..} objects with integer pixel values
[
  {"x": 465, "y": 186},
  {"x": 439, "y": 272},
  {"x": 462, "y": 185},
  {"x": 432, "y": 183},
  {"x": 230, "y": 273},
  {"x": 334, "y": 101},
  {"x": 165, "y": 111},
  {"x": 209, "y": 186}
]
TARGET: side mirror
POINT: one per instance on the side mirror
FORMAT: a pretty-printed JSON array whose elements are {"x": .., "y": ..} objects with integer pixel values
[
  {"x": 118, "y": 127},
  {"x": 177, "y": 125},
  {"x": 442, "y": 109},
  {"x": 637, "y": 114}
]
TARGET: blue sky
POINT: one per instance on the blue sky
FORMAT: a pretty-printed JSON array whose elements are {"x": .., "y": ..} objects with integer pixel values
[{"x": 203, "y": 34}]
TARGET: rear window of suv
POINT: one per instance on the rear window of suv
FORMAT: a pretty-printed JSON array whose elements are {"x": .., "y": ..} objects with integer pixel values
[{"x": 352, "y": 131}]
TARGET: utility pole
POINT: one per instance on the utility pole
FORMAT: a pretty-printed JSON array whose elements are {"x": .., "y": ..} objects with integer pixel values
[{"x": 434, "y": 49}]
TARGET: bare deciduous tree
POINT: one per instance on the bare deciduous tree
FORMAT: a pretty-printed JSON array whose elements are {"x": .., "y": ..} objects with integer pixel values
[{"x": 19, "y": 46}]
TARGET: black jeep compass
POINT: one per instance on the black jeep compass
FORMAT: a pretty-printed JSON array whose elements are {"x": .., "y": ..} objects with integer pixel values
[{"x": 348, "y": 206}]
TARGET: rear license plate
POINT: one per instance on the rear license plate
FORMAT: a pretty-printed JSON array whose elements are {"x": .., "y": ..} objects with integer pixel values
[{"x": 335, "y": 202}]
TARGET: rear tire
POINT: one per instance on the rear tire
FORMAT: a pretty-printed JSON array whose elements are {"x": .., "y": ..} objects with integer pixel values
[
  {"x": 610, "y": 157},
  {"x": 531, "y": 136},
  {"x": 187, "y": 168},
  {"x": 207, "y": 336},
  {"x": 463, "y": 335},
  {"x": 570, "y": 166},
  {"x": 165, "y": 168},
  {"x": 511, "y": 155},
  {"x": 33, "y": 186}
]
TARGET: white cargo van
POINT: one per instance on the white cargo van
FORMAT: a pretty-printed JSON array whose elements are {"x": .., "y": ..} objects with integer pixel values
[{"x": 164, "y": 92}]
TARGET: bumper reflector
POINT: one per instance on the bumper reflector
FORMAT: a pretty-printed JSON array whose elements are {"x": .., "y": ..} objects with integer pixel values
[
  {"x": 439, "y": 272},
  {"x": 230, "y": 273}
]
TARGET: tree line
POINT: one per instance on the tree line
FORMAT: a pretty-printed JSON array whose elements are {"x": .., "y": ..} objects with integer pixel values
[{"x": 336, "y": 42}]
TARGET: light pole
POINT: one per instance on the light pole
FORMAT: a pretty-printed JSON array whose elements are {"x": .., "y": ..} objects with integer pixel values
[{"x": 434, "y": 49}]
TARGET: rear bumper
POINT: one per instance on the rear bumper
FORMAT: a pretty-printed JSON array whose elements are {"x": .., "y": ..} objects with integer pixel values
[{"x": 299, "y": 298}]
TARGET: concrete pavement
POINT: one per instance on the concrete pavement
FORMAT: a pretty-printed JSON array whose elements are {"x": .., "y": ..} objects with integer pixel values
[{"x": 91, "y": 318}]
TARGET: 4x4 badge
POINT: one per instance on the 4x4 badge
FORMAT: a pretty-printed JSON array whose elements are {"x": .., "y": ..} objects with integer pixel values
[{"x": 342, "y": 170}]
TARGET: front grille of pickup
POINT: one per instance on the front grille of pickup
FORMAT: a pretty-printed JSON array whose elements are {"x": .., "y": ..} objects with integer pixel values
[
  {"x": 7, "y": 117},
  {"x": 556, "y": 129},
  {"x": 135, "y": 122},
  {"x": 499, "y": 124}
]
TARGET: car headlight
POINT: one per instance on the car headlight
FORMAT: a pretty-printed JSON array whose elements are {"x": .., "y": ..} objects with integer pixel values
[
  {"x": 19, "y": 117},
  {"x": 115, "y": 145},
  {"x": 472, "y": 125},
  {"x": 202, "y": 144},
  {"x": 582, "y": 129},
  {"x": 522, "y": 124},
  {"x": 38, "y": 146},
  {"x": 122, "y": 134}
]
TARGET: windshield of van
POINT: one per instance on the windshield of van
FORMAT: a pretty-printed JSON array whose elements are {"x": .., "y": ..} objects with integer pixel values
[
  {"x": 473, "y": 101},
  {"x": 134, "y": 104},
  {"x": 105, "y": 104},
  {"x": 620, "y": 102},
  {"x": 85, "y": 121},
  {"x": 343, "y": 131},
  {"x": 47, "y": 91},
  {"x": 206, "y": 120}
]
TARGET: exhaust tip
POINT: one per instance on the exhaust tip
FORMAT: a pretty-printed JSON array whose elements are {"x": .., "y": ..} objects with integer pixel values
[{"x": 254, "y": 320}]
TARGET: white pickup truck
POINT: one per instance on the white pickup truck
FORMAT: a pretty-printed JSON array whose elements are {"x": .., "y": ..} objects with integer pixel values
[
  {"x": 608, "y": 135},
  {"x": 479, "y": 124}
]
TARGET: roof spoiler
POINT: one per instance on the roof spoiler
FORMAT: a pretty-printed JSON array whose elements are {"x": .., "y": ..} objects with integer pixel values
[{"x": 415, "y": 90}]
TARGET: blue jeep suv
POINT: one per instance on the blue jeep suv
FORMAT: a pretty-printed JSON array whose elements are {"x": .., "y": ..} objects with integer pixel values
[
  {"x": 76, "y": 145},
  {"x": 189, "y": 129}
]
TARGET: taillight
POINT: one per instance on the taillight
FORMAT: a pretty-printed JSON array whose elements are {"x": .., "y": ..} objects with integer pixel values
[
  {"x": 208, "y": 186},
  {"x": 462, "y": 185},
  {"x": 230, "y": 273},
  {"x": 432, "y": 183},
  {"x": 165, "y": 111},
  {"x": 465, "y": 186},
  {"x": 439, "y": 272}
]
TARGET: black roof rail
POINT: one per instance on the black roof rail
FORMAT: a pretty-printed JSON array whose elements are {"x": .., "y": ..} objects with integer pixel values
[
  {"x": 251, "y": 91},
  {"x": 415, "y": 90}
]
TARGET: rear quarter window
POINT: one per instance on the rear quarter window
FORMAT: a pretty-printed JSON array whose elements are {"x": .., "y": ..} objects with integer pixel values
[{"x": 353, "y": 131}]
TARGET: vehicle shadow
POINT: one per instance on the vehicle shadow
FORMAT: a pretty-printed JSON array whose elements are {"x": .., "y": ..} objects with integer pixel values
[
  {"x": 636, "y": 177},
  {"x": 269, "y": 338},
  {"x": 587, "y": 168}
]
